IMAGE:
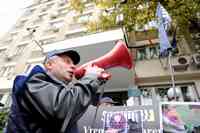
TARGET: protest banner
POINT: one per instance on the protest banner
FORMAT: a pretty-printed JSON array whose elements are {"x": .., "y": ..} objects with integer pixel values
[
  {"x": 180, "y": 117},
  {"x": 120, "y": 119}
]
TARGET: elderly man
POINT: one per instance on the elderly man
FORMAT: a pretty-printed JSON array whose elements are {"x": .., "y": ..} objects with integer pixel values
[{"x": 44, "y": 100}]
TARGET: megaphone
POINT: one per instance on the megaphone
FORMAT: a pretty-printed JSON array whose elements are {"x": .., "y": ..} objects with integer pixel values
[{"x": 119, "y": 56}]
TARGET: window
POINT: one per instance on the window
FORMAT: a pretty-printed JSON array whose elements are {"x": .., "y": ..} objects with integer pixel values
[
  {"x": 44, "y": 1},
  {"x": 44, "y": 9},
  {"x": 148, "y": 52},
  {"x": 48, "y": 40},
  {"x": 55, "y": 26},
  {"x": 8, "y": 39},
  {"x": 141, "y": 53},
  {"x": 161, "y": 93},
  {"x": 6, "y": 71},
  {"x": 20, "y": 49},
  {"x": 2, "y": 52},
  {"x": 62, "y": 2},
  {"x": 27, "y": 37},
  {"x": 84, "y": 18},
  {"x": 153, "y": 52},
  {"x": 63, "y": 11},
  {"x": 2, "y": 71},
  {"x": 76, "y": 34},
  {"x": 29, "y": 12},
  {"x": 47, "y": 7},
  {"x": 54, "y": 15},
  {"x": 186, "y": 93},
  {"x": 89, "y": 6},
  {"x": 164, "y": 93},
  {"x": 39, "y": 18},
  {"x": 20, "y": 24},
  {"x": 10, "y": 71},
  {"x": 76, "y": 27},
  {"x": 14, "y": 35},
  {"x": 146, "y": 97},
  {"x": 58, "y": 24}
]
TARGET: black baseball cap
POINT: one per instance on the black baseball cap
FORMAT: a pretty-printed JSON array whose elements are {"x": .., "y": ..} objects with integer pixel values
[{"x": 71, "y": 53}]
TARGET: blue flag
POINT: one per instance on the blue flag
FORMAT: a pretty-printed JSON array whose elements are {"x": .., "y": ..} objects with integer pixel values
[
  {"x": 163, "y": 16},
  {"x": 163, "y": 23}
]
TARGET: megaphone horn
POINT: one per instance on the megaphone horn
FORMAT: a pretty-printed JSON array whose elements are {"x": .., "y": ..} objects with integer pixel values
[{"x": 119, "y": 56}]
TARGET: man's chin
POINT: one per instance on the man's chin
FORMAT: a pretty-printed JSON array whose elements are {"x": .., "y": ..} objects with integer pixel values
[{"x": 68, "y": 79}]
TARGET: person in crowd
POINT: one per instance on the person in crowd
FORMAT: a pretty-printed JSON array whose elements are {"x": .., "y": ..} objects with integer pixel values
[
  {"x": 45, "y": 100},
  {"x": 172, "y": 122},
  {"x": 173, "y": 94},
  {"x": 106, "y": 101}
]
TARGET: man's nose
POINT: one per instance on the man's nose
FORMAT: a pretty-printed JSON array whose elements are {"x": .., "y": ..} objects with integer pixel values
[{"x": 73, "y": 66}]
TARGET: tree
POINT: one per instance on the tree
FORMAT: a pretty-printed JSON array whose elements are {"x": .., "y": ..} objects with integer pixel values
[{"x": 139, "y": 12}]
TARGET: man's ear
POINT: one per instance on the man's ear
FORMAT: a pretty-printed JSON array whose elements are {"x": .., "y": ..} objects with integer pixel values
[{"x": 49, "y": 65}]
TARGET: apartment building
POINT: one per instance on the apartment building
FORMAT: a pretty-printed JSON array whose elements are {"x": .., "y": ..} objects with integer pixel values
[{"x": 48, "y": 24}]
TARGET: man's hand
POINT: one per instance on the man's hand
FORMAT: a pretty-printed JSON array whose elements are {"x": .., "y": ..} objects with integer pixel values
[
  {"x": 100, "y": 73},
  {"x": 94, "y": 70}
]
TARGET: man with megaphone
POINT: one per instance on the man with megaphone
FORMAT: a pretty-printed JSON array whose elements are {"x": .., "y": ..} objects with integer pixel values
[{"x": 44, "y": 100}]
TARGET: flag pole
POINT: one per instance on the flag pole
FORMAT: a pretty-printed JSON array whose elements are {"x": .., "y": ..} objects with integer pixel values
[
  {"x": 172, "y": 74},
  {"x": 164, "y": 20}
]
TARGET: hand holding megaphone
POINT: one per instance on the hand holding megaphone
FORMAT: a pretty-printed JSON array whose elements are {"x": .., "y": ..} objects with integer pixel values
[{"x": 101, "y": 74}]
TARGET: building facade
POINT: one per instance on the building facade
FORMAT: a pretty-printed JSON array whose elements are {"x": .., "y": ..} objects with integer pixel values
[{"x": 49, "y": 24}]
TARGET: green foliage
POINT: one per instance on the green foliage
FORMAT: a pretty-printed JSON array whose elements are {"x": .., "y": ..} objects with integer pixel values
[
  {"x": 78, "y": 5},
  {"x": 3, "y": 119},
  {"x": 139, "y": 12}
]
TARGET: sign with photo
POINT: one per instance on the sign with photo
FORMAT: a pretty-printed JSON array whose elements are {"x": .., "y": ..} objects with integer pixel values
[
  {"x": 120, "y": 119},
  {"x": 180, "y": 117}
]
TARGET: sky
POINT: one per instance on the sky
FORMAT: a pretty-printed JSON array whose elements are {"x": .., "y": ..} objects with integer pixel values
[{"x": 10, "y": 10}]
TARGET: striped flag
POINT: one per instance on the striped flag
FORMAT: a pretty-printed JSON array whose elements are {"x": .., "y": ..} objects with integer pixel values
[
  {"x": 163, "y": 16},
  {"x": 163, "y": 24}
]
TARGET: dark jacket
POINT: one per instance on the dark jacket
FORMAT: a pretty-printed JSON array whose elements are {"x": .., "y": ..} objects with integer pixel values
[{"x": 43, "y": 104}]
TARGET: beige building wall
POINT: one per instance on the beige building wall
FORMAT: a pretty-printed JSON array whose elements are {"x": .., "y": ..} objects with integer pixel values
[{"x": 49, "y": 21}]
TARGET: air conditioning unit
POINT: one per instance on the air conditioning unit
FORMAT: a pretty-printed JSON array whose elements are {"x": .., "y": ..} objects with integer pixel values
[
  {"x": 196, "y": 60},
  {"x": 180, "y": 63},
  {"x": 196, "y": 36}
]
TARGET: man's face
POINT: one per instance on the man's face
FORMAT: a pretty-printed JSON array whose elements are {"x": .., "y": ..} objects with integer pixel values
[{"x": 62, "y": 67}]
